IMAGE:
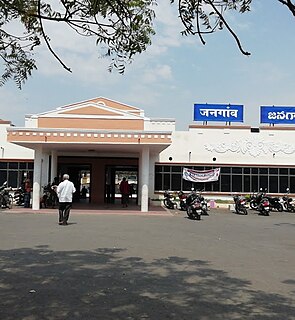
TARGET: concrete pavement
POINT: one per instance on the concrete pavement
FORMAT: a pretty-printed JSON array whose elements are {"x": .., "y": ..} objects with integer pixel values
[{"x": 114, "y": 266}]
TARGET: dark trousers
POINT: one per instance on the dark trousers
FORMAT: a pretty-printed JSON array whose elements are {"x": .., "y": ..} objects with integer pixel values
[
  {"x": 64, "y": 209},
  {"x": 27, "y": 199},
  {"x": 125, "y": 199}
]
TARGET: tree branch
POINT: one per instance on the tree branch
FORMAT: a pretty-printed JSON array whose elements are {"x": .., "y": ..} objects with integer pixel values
[
  {"x": 47, "y": 42},
  {"x": 229, "y": 29},
  {"x": 289, "y": 4}
]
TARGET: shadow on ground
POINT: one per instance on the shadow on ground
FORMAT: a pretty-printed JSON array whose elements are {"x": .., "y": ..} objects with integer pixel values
[{"x": 103, "y": 284}]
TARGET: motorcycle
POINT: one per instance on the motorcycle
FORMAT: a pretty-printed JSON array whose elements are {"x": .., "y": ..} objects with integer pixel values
[
  {"x": 19, "y": 197},
  {"x": 287, "y": 202},
  {"x": 169, "y": 200},
  {"x": 264, "y": 207},
  {"x": 275, "y": 203},
  {"x": 182, "y": 201},
  {"x": 196, "y": 205},
  {"x": 5, "y": 197},
  {"x": 255, "y": 199},
  {"x": 49, "y": 198},
  {"x": 240, "y": 204}
]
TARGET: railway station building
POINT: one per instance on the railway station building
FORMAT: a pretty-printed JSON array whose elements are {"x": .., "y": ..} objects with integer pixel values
[{"x": 98, "y": 141}]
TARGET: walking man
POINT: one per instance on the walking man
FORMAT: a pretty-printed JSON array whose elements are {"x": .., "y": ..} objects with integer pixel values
[{"x": 65, "y": 192}]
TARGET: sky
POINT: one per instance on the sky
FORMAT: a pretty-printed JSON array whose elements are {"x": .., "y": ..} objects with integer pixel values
[{"x": 173, "y": 74}]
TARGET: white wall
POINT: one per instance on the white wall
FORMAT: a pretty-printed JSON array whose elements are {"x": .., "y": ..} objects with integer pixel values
[
  {"x": 159, "y": 125},
  {"x": 12, "y": 151},
  {"x": 231, "y": 146}
]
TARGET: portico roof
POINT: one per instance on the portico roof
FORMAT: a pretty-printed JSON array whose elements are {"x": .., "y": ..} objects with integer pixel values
[
  {"x": 96, "y": 125},
  {"x": 82, "y": 140}
]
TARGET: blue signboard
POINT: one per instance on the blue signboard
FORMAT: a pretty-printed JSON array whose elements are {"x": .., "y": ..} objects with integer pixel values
[
  {"x": 218, "y": 112},
  {"x": 283, "y": 115}
]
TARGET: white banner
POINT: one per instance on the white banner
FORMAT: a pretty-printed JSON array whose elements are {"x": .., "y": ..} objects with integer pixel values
[{"x": 200, "y": 176}]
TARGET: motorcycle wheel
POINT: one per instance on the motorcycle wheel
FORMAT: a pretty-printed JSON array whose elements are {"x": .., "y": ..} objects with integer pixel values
[
  {"x": 10, "y": 201},
  {"x": 280, "y": 207},
  {"x": 253, "y": 205},
  {"x": 189, "y": 213},
  {"x": 243, "y": 211},
  {"x": 266, "y": 213},
  {"x": 183, "y": 207},
  {"x": 168, "y": 204}
]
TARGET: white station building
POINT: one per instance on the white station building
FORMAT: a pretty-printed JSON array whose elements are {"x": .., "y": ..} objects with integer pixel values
[{"x": 101, "y": 138}]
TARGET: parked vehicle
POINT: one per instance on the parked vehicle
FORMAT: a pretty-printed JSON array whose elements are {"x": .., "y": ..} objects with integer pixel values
[
  {"x": 264, "y": 207},
  {"x": 169, "y": 200},
  {"x": 275, "y": 203},
  {"x": 182, "y": 200},
  {"x": 196, "y": 205},
  {"x": 5, "y": 197},
  {"x": 49, "y": 198},
  {"x": 287, "y": 202},
  {"x": 240, "y": 204},
  {"x": 18, "y": 196},
  {"x": 256, "y": 198}
]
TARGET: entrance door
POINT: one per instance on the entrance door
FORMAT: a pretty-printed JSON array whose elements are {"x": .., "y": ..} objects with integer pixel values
[
  {"x": 113, "y": 177},
  {"x": 80, "y": 175}
]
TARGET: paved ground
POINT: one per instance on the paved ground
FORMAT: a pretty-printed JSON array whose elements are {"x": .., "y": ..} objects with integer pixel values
[{"x": 139, "y": 266}]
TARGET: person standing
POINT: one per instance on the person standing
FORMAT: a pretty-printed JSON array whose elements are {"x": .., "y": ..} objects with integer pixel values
[
  {"x": 65, "y": 192},
  {"x": 27, "y": 194},
  {"x": 125, "y": 191}
]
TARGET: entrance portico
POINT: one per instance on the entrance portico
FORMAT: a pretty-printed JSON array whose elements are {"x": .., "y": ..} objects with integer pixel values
[{"x": 98, "y": 132}]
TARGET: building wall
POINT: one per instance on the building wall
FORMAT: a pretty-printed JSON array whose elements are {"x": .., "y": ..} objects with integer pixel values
[
  {"x": 10, "y": 150},
  {"x": 201, "y": 145}
]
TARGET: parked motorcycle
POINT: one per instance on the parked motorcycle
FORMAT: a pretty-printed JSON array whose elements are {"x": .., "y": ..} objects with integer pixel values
[
  {"x": 275, "y": 203},
  {"x": 19, "y": 197},
  {"x": 240, "y": 204},
  {"x": 255, "y": 199},
  {"x": 196, "y": 205},
  {"x": 264, "y": 207},
  {"x": 49, "y": 198},
  {"x": 182, "y": 201},
  {"x": 5, "y": 197},
  {"x": 287, "y": 202},
  {"x": 169, "y": 200}
]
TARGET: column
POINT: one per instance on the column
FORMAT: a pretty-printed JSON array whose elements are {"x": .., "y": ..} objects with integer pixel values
[
  {"x": 37, "y": 179},
  {"x": 53, "y": 172},
  {"x": 144, "y": 165},
  {"x": 45, "y": 169}
]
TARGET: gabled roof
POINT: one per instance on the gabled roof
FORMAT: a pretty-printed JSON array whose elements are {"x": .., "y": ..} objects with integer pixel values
[{"x": 97, "y": 108}]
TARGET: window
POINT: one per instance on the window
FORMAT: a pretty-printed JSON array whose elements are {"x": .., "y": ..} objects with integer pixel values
[
  {"x": 273, "y": 184},
  {"x": 237, "y": 183},
  {"x": 232, "y": 179},
  {"x": 283, "y": 171},
  {"x": 14, "y": 172},
  {"x": 225, "y": 183}
]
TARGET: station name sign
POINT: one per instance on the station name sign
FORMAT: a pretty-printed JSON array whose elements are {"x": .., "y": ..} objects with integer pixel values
[
  {"x": 285, "y": 115},
  {"x": 218, "y": 112}
]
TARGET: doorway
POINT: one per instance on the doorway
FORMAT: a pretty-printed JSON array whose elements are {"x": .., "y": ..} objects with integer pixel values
[
  {"x": 113, "y": 177},
  {"x": 80, "y": 175}
]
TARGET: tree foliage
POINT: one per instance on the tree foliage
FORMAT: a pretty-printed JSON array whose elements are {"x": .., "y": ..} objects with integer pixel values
[{"x": 122, "y": 28}]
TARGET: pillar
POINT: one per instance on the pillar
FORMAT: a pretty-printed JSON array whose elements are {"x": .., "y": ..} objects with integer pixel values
[
  {"x": 53, "y": 172},
  {"x": 37, "y": 179},
  {"x": 144, "y": 165}
]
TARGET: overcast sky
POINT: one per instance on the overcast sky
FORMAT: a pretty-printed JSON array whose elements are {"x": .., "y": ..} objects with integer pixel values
[{"x": 174, "y": 73}]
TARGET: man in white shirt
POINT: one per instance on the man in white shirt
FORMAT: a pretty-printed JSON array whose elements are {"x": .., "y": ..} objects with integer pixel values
[{"x": 65, "y": 192}]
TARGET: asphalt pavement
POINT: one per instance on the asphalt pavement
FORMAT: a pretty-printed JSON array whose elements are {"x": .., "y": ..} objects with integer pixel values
[{"x": 132, "y": 266}]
